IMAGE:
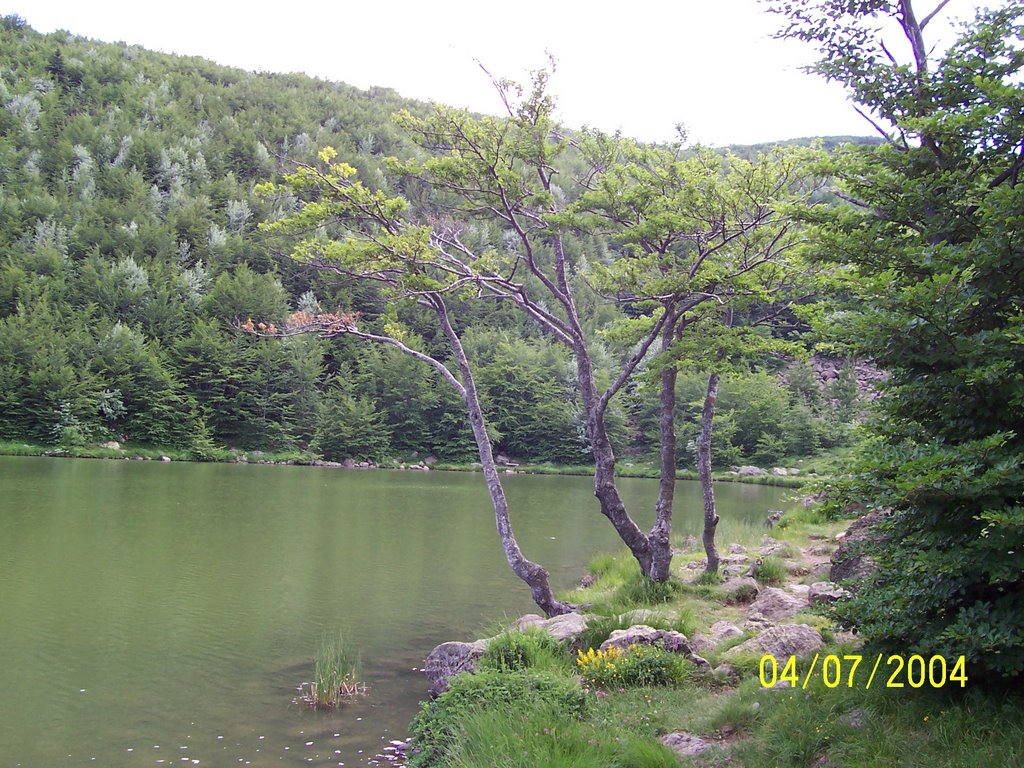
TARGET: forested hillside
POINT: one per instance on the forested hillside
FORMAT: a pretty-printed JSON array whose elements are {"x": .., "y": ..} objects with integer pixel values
[{"x": 130, "y": 252}]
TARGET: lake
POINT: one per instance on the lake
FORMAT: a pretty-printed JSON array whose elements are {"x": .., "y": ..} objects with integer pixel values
[{"x": 157, "y": 613}]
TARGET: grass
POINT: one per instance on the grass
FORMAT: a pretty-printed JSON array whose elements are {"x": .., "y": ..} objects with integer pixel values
[
  {"x": 151, "y": 453},
  {"x": 335, "y": 675},
  {"x": 537, "y": 737},
  {"x": 876, "y": 728},
  {"x": 628, "y": 469},
  {"x": 750, "y": 727},
  {"x": 771, "y": 571},
  {"x": 298, "y": 456}
]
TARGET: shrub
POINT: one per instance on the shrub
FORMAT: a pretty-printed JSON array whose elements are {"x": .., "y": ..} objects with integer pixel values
[
  {"x": 638, "y": 665},
  {"x": 531, "y": 649},
  {"x": 639, "y": 590},
  {"x": 435, "y": 728},
  {"x": 771, "y": 571}
]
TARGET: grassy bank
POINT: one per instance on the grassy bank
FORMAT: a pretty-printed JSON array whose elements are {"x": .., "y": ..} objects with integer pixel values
[
  {"x": 127, "y": 451},
  {"x": 532, "y": 704},
  {"x": 810, "y": 469},
  {"x": 634, "y": 469}
]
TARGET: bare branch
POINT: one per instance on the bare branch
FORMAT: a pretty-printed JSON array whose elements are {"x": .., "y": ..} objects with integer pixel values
[{"x": 931, "y": 15}]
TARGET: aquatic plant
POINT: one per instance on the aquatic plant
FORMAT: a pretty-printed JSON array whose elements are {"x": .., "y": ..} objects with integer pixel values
[{"x": 335, "y": 676}]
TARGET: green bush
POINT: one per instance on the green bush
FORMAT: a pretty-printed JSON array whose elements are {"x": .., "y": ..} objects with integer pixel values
[
  {"x": 435, "y": 728},
  {"x": 770, "y": 571},
  {"x": 638, "y": 665},
  {"x": 531, "y": 649}
]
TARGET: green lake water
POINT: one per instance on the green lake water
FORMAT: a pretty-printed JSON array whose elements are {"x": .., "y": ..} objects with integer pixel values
[{"x": 165, "y": 613}]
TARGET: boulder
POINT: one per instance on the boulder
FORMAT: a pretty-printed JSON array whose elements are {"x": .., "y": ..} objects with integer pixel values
[
  {"x": 641, "y": 634},
  {"x": 737, "y": 549},
  {"x": 750, "y": 471},
  {"x": 780, "y": 471},
  {"x": 825, "y": 592},
  {"x": 723, "y": 630},
  {"x": 719, "y": 632},
  {"x": 821, "y": 570},
  {"x": 781, "y": 642},
  {"x": 685, "y": 744},
  {"x": 566, "y": 628},
  {"x": 773, "y": 604},
  {"x": 741, "y": 589},
  {"x": 849, "y": 562},
  {"x": 112, "y": 445},
  {"x": 450, "y": 659},
  {"x": 726, "y": 673}
]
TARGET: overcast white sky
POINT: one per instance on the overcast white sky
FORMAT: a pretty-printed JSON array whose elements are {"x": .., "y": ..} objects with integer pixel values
[{"x": 641, "y": 66}]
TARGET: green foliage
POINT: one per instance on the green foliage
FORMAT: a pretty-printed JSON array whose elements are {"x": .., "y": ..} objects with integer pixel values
[
  {"x": 530, "y": 649},
  {"x": 350, "y": 428},
  {"x": 435, "y": 729},
  {"x": 336, "y": 673},
  {"x": 932, "y": 250},
  {"x": 539, "y": 737},
  {"x": 637, "y": 665},
  {"x": 770, "y": 571}
]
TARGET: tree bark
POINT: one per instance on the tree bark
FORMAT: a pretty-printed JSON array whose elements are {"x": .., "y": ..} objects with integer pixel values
[
  {"x": 534, "y": 575},
  {"x": 605, "y": 490},
  {"x": 659, "y": 537},
  {"x": 704, "y": 469}
]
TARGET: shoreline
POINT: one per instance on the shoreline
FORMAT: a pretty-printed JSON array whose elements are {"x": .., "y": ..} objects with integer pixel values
[{"x": 302, "y": 458}]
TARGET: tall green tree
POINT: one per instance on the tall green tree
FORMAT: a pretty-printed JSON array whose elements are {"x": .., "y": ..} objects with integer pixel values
[{"x": 932, "y": 236}]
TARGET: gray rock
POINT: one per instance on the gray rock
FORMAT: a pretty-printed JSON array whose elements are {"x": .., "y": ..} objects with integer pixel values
[
  {"x": 849, "y": 561},
  {"x": 566, "y": 628},
  {"x": 737, "y": 549},
  {"x": 800, "y": 590},
  {"x": 773, "y": 604},
  {"x": 727, "y": 673},
  {"x": 825, "y": 592},
  {"x": 780, "y": 471},
  {"x": 749, "y": 471},
  {"x": 703, "y": 644},
  {"x": 781, "y": 642},
  {"x": 741, "y": 589},
  {"x": 821, "y": 570},
  {"x": 641, "y": 634},
  {"x": 112, "y": 445},
  {"x": 723, "y": 630},
  {"x": 719, "y": 632},
  {"x": 853, "y": 719},
  {"x": 450, "y": 659},
  {"x": 685, "y": 744},
  {"x": 165, "y": 458}
]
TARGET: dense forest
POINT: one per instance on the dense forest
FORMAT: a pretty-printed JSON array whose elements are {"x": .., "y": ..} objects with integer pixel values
[
  {"x": 203, "y": 258},
  {"x": 130, "y": 252}
]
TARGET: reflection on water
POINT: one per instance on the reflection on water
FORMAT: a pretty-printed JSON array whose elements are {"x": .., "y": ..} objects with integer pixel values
[{"x": 155, "y": 613}]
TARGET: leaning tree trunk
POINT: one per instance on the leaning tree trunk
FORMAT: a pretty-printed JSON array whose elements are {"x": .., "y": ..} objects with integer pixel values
[
  {"x": 605, "y": 489},
  {"x": 704, "y": 469},
  {"x": 535, "y": 576}
]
